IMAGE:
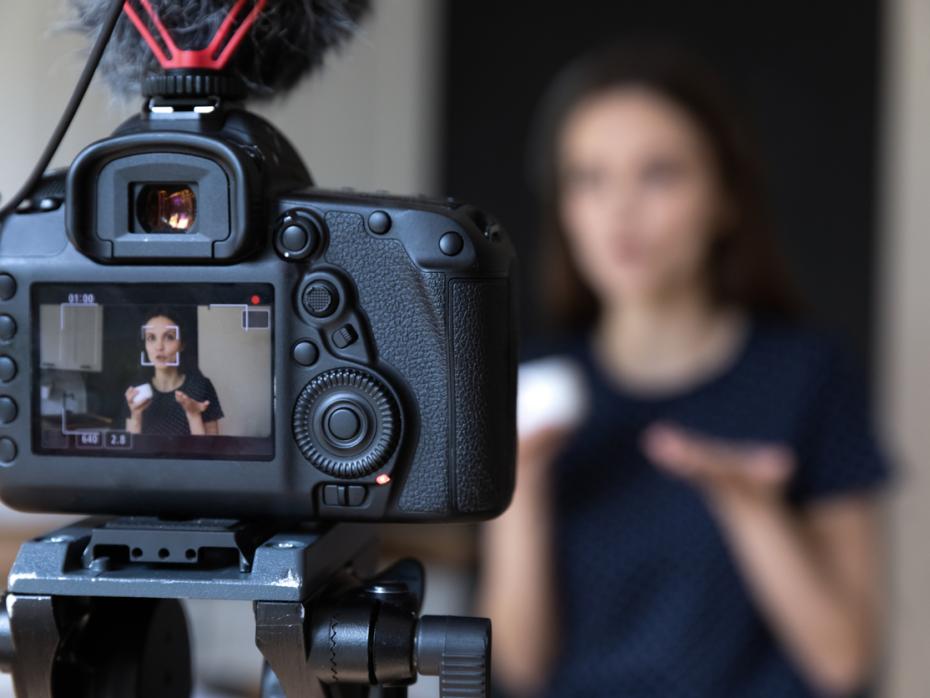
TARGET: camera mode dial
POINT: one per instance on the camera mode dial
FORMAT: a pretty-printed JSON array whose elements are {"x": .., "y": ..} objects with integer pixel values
[{"x": 345, "y": 423}]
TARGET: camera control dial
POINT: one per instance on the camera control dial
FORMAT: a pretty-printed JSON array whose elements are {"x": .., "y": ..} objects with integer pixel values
[{"x": 345, "y": 423}]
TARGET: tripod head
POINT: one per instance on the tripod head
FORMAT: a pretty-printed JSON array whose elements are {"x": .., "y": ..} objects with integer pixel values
[{"x": 92, "y": 612}]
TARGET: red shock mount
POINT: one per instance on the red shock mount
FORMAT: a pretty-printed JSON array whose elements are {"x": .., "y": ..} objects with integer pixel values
[{"x": 217, "y": 53}]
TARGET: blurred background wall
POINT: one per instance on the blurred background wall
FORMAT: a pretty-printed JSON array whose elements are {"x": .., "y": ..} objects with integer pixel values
[
  {"x": 223, "y": 348},
  {"x": 434, "y": 96},
  {"x": 903, "y": 331},
  {"x": 804, "y": 77}
]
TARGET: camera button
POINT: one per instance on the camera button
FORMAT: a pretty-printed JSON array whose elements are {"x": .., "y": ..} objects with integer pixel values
[
  {"x": 344, "y": 423},
  {"x": 355, "y": 495},
  {"x": 7, "y": 328},
  {"x": 331, "y": 495},
  {"x": 7, "y": 450},
  {"x": 298, "y": 235},
  {"x": 8, "y": 409},
  {"x": 294, "y": 238},
  {"x": 451, "y": 244},
  {"x": 344, "y": 336},
  {"x": 320, "y": 299},
  {"x": 379, "y": 222},
  {"x": 7, "y": 287},
  {"x": 304, "y": 353},
  {"x": 7, "y": 369}
]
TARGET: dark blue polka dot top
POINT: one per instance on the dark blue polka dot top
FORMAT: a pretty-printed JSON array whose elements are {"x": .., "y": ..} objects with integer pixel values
[{"x": 651, "y": 603}]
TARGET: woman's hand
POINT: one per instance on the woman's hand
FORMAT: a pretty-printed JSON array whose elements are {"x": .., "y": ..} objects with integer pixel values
[
  {"x": 189, "y": 404},
  {"x": 814, "y": 572},
  {"x": 194, "y": 410},
  {"x": 136, "y": 409},
  {"x": 134, "y": 421},
  {"x": 536, "y": 451},
  {"x": 727, "y": 471}
]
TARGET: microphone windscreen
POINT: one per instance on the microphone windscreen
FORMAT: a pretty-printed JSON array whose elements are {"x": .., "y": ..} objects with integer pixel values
[{"x": 288, "y": 40}]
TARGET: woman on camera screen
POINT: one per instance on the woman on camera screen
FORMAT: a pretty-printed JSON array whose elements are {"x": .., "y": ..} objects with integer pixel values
[
  {"x": 711, "y": 525},
  {"x": 177, "y": 399}
]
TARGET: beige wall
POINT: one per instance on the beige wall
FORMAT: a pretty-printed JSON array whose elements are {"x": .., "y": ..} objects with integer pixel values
[
  {"x": 905, "y": 335},
  {"x": 237, "y": 362}
]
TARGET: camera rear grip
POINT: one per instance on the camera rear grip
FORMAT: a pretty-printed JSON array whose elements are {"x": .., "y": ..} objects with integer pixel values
[
  {"x": 483, "y": 394},
  {"x": 452, "y": 340}
]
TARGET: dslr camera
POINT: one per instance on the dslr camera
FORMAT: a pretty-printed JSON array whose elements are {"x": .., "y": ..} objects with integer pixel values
[{"x": 190, "y": 328}]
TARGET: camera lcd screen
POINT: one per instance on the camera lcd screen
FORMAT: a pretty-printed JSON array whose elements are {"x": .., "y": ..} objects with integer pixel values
[{"x": 153, "y": 370}]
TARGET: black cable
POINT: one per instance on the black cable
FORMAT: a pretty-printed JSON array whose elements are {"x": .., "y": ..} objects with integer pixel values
[{"x": 96, "y": 53}]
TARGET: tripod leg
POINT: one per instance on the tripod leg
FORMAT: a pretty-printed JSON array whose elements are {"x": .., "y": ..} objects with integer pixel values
[
  {"x": 36, "y": 638},
  {"x": 279, "y": 635}
]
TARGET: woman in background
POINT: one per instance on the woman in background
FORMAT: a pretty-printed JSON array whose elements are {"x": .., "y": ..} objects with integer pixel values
[
  {"x": 712, "y": 528},
  {"x": 182, "y": 400}
]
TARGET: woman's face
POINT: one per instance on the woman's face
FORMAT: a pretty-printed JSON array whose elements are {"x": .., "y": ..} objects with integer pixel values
[
  {"x": 162, "y": 341},
  {"x": 640, "y": 198}
]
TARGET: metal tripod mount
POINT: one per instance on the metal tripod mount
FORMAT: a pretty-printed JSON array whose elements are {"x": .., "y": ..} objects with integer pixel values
[{"x": 93, "y": 610}]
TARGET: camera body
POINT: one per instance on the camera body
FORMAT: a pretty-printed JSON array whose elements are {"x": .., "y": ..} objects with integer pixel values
[{"x": 335, "y": 355}]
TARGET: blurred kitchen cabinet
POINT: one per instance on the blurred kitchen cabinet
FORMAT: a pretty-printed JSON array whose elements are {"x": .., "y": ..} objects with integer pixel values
[{"x": 71, "y": 337}]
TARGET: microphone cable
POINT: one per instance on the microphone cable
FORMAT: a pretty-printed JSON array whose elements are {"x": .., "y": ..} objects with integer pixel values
[{"x": 64, "y": 122}]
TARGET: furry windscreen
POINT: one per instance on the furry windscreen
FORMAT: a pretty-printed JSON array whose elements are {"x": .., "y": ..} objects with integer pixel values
[{"x": 288, "y": 40}]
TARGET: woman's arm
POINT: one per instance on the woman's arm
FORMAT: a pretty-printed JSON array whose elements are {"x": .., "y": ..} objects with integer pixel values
[
  {"x": 134, "y": 420},
  {"x": 815, "y": 573},
  {"x": 193, "y": 410},
  {"x": 816, "y": 576},
  {"x": 212, "y": 427},
  {"x": 195, "y": 424},
  {"x": 516, "y": 586}
]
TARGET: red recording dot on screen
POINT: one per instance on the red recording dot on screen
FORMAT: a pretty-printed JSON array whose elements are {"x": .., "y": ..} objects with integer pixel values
[
  {"x": 383, "y": 479},
  {"x": 255, "y": 299}
]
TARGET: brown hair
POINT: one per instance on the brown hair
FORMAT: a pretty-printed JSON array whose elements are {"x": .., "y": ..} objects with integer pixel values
[{"x": 745, "y": 266}]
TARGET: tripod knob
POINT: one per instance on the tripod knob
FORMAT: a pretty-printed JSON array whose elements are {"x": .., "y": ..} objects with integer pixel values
[{"x": 458, "y": 651}]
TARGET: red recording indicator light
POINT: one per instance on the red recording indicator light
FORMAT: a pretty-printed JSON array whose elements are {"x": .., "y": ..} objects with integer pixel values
[
  {"x": 255, "y": 299},
  {"x": 383, "y": 479}
]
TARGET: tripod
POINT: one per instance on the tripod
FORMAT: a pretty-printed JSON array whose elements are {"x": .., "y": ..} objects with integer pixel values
[{"x": 93, "y": 610}]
